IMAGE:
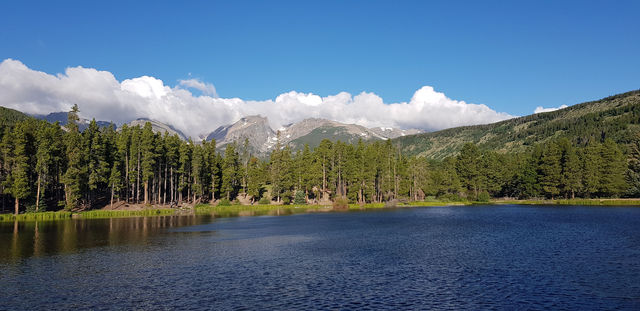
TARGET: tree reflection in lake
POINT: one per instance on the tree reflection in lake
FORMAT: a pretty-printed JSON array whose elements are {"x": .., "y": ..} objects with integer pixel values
[{"x": 38, "y": 238}]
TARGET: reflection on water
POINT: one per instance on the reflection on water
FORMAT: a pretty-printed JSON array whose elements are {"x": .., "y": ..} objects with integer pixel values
[{"x": 25, "y": 239}]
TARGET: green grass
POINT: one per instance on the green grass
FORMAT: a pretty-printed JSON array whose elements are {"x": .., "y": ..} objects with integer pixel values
[
  {"x": 36, "y": 216},
  {"x": 117, "y": 214},
  {"x": 585, "y": 202},
  {"x": 599, "y": 202},
  {"x": 87, "y": 215}
]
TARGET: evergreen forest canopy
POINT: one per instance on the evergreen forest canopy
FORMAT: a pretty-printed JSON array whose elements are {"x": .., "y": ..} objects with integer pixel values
[{"x": 44, "y": 166}]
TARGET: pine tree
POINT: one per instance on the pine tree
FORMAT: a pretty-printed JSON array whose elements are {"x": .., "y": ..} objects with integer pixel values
[
  {"x": 468, "y": 167},
  {"x": 184, "y": 169},
  {"x": 197, "y": 170},
  {"x": 44, "y": 159},
  {"x": 213, "y": 165},
  {"x": 17, "y": 182},
  {"x": 633, "y": 170},
  {"x": 147, "y": 142},
  {"x": 75, "y": 175},
  {"x": 230, "y": 172},
  {"x": 612, "y": 171},
  {"x": 551, "y": 169},
  {"x": 591, "y": 163},
  {"x": 571, "y": 172}
]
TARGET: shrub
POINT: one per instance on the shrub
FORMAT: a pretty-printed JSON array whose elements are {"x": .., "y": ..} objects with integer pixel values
[
  {"x": 264, "y": 201},
  {"x": 300, "y": 198},
  {"x": 451, "y": 197},
  {"x": 484, "y": 196},
  {"x": 224, "y": 202},
  {"x": 341, "y": 203}
]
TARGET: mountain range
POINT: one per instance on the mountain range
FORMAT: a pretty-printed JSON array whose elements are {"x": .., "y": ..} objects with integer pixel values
[
  {"x": 262, "y": 138},
  {"x": 616, "y": 117}
]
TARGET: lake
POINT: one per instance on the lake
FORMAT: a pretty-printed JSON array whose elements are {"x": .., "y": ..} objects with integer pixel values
[{"x": 472, "y": 257}]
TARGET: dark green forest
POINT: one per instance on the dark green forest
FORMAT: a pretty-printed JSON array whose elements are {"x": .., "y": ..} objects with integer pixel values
[{"x": 45, "y": 166}]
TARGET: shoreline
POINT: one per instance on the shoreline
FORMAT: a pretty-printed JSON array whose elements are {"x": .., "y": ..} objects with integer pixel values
[{"x": 259, "y": 210}]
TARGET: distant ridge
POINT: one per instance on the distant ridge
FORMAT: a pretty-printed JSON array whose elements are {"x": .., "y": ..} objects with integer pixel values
[{"x": 61, "y": 117}]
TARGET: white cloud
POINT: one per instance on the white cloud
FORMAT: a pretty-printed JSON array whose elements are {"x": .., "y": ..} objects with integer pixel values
[
  {"x": 99, "y": 95},
  {"x": 205, "y": 88},
  {"x": 541, "y": 109}
]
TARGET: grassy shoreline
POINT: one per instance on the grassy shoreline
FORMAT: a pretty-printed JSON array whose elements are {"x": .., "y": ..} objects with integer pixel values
[
  {"x": 584, "y": 202},
  {"x": 94, "y": 214},
  {"x": 259, "y": 210}
]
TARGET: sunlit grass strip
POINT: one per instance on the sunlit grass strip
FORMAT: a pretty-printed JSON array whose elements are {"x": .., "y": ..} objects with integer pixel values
[
  {"x": 599, "y": 202},
  {"x": 36, "y": 216},
  {"x": 584, "y": 202},
  {"x": 119, "y": 214},
  {"x": 88, "y": 215}
]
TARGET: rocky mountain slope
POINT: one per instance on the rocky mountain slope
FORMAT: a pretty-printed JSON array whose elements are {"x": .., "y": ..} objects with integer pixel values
[
  {"x": 158, "y": 127},
  {"x": 262, "y": 138},
  {"x": 615, "y": 117},
  {"x": 255, "y": 129}
]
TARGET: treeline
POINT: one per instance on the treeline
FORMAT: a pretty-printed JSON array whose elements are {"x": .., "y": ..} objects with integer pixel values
[{"x": 44, "y": 166}]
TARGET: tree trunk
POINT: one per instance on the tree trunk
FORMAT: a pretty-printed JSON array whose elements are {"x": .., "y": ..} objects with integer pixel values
[
  {"x": 180, "y": 192},
  {"x": 138, "y": 180},
  {"x": 112, "y": 196},
  {"x": 17, "y": 207},
  {"x": 164, "y": 193},
  {"x": 146, "y": 192},
  {"x": 324, "y": 177},
  {"x": 172, "y": 189},
  {"x": 38, "y": 195},
  {"x": 213, "y": 187},
  {"x": 126, "y": 173},
  {"x": 188, "y": 186}
]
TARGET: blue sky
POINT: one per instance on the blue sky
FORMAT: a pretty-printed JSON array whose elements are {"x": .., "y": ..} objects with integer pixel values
[{"x": 509, "y": 55}]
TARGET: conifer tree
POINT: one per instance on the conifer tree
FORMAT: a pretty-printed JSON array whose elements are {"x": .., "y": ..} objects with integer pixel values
[
  {"x": 230, "y": 172},
  {"x": 633, "y": 170},
  {"x": 612, "y": 170},
  {"x": 17, "y": 183},
  {"x": 75, "y": 175},
  {"x": 551, "y": 169},
  {"x": 467, "y": 167},
  {"x": 147, "y": 150},
  {"x": 591, "y": 163}
]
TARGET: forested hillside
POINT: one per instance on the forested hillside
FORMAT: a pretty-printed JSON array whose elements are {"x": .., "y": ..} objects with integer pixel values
[
  {"x": 615, "y": 117},
  {"x": 9, "y": 117}
]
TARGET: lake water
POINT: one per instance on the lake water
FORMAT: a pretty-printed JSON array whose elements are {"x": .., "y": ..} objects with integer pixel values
[{"x": 476, "y": 257}]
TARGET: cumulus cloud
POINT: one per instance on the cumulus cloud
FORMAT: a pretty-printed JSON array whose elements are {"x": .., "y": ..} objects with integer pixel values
[
  {"x": 204, "y": 87},
  {"x": 541, "y": 109},
  {"x": 99, "y": 95}
]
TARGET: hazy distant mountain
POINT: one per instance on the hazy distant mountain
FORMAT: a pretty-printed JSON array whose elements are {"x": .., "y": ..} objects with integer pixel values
[
  {"x": 262, "y": 138},
  {"x": 158, "y": 127},
  {"x": 61, "y": 117}
]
